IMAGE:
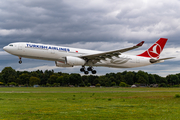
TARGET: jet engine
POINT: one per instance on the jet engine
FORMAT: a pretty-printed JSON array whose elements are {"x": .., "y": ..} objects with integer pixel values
[
  {"x": 74, "y": 61},
  {"x": 62, "y": 64}
]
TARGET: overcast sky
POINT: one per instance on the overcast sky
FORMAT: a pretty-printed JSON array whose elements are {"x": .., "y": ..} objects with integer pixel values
[{"x": 91, "y": 24}]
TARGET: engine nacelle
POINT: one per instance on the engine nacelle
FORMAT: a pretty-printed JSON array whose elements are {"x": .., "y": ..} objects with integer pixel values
[
  {"x": 70, "y": 60},
  {"x": 62, "y": 64}
]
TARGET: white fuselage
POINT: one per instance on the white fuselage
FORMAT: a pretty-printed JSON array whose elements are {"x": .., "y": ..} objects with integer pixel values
[{"x": 58, "y": 53}]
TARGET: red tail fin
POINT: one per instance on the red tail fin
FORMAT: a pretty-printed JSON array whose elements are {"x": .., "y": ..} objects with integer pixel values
[{"x": 155, "y": 50}]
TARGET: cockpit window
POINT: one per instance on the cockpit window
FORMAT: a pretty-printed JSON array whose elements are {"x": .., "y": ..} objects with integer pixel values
[{"x": 11, "y": 45}]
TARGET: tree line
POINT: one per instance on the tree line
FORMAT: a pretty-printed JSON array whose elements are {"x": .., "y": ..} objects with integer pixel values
[{"x": 9, "y": 76}]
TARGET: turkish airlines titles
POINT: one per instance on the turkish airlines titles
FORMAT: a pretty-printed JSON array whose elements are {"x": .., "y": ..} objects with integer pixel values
[{"x": 47, "y": 47}]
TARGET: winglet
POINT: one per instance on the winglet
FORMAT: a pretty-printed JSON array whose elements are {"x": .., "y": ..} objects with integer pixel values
[{"x": 140, "y": 44}]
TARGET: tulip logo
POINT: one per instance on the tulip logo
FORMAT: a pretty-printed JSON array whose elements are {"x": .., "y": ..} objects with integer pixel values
[{"x": 155, "y": 51}]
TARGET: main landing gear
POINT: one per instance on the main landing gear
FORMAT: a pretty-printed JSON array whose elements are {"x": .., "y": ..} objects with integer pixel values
[
  {"x": 20, "y": 61},
  {"x": 83, "y": 69}
]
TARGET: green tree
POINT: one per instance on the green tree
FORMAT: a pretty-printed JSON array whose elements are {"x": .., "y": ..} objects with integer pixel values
[
  {"x": 85, "y": 79},
  {"x": 142, "y": 77},
  {"x": 120, "y": 78},
  {"x": 96, "y": 81},
  {"x": 34, "y": 81},
  {"x": 75, "y": 79},
  {"x": 8, "y": 75},
  {"x": 1, "y": 78},
  {"x": 102, "y": 80},
  {"x": 46, "y": 76},
  {"x": 152, "y": 80},
  {"x": 124, "y": 73},
  {"x": 53, "y": 79},
  {"x": 109, "y": 75},
  {"x": 34, "y": 74},
  {"x": 65, "y": 80},
  {"x": 91, "y": 79},
  {"x": 60, "y": 80},
  {"x": 113, "y": 83},
  {"x": 23, "y": 79},
  {"x": 157, "y": 78},
  {"x": 178, "y": 75},
  {"x": 163, "y": 80},
  {"x": 107, "y": 82},
  {"x": 172, "y": 79},
  {"x": 129, "y": 77},
  {"x": 11, "y": 78}
]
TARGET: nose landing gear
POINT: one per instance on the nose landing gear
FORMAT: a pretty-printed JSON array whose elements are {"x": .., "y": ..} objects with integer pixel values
[{"x": 20, "y": 61}]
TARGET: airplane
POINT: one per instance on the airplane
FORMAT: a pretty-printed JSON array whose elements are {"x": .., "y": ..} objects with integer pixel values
[{"x": 69, "y": 57}]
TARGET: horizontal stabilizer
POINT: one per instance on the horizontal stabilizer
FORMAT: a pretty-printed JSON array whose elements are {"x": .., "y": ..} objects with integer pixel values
[{"x": 158, "y": 60}]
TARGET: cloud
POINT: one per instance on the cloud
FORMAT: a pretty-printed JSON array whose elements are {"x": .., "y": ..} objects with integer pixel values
[
  {"x": 4, "y": 32},
  {"x": 97, "y": 24},
  {"x": 94, "y": 21},
  {"x": 3, "y": 53}
]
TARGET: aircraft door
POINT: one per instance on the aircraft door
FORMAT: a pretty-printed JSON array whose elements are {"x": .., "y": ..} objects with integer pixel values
[{"x": 20, "y": 47}]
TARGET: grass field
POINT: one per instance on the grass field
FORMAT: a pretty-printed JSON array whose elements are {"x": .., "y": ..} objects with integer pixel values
[{"x": 89, "y": 103}]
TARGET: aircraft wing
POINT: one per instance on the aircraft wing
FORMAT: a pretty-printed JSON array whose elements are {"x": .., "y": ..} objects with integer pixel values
[{"x": 109, "y": 54}]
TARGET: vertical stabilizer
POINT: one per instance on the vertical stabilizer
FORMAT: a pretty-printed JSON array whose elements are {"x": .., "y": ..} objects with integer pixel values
[{"x": 155, "y": 50}]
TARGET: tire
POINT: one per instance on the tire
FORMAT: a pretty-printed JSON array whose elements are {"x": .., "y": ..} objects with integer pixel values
[
  {"x": 82, "y": 70},
  {"x": 94, "y": 72},
  {"x": 89, "y": 68},
  {"x": 86, "y": 72}
]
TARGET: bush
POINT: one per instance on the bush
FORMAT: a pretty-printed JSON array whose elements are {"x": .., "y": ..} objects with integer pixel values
[
  {"x": 162, "y": 85},
  {"x": 177, "y": 96},
  {"x": 55, "y": 85},
  {"x": 123, "y": 84},
  {"x": 89, "y": 84},
  {"x": 12, "y": 84},
  {"x": 176, "y": 86},
  {"x": 48, "y": 85},
  {"x": 1, "y": 83},
  {"x": 113, "y": 84},
  {"x": 109, "y": 99},
  {"x": 81, "y": 85},
  {"x": 98, "y": 85}
]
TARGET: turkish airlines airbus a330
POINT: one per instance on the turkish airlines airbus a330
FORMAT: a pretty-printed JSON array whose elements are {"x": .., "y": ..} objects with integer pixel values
[{"x": 69, "y": 57}]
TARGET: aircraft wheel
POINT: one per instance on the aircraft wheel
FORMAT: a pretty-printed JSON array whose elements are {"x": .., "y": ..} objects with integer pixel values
[
  {"x": 82, "y": 69},
  {"x": 20, "y": 62},
  {"x": 89, "y": 68},
  {"x": 93, "y": 71},
  {"x": 86, "y": 72}
]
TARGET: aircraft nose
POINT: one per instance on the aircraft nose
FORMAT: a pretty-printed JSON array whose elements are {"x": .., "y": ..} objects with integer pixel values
[{"x": 5, "y": 48}]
